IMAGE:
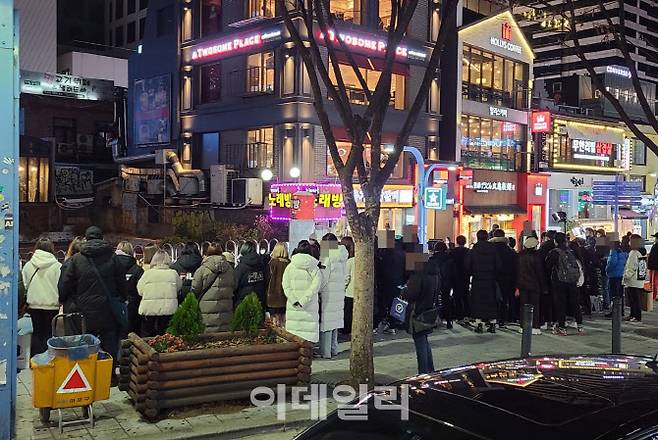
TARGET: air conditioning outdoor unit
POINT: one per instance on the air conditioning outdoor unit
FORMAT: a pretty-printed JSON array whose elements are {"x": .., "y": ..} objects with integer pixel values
[
  {"x": 220, "y": 184},
  {"x": 86, "y": 140},
  {"x": 247, "y": 191},
  {"x": 64, "y": 148}
]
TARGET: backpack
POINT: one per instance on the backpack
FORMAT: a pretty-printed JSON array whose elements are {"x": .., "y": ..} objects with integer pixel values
[{"x": 568, "y": 270}]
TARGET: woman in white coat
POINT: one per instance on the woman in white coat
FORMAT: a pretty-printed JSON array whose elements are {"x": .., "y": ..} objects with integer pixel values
[
  {"x": 332, "y": 294},
  {"x": 158, "y": 287},
  {"x": 40, "y": 277},
  {"x": 301, "y": 284}
]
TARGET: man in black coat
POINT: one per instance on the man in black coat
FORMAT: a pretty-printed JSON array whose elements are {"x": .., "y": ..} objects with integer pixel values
[
  {"x": 390, "y": 275},
  {"x": 126, "y": 260},
  {"x": 546, "y": 300},
  {"x": 483, "y": 264},
  {"x": 444, "y": 266},
  {"x": 652, "y": 262},
  {"x": 507, "y": 311},
  {"x": 186, "y": 264},
  {"x": 462, "y": 278},
  {"x": 81, "y": 290}
]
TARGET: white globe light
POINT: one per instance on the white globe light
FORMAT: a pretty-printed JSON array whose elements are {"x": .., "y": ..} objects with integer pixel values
[
  {"x": 295, "y": 172},
  {"x": 266, "y": 175}
]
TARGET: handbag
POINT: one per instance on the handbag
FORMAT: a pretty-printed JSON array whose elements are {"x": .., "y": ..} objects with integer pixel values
[
  {"x": 427, "y": 320},
  {"x": 118, "y": 307},
  {"x": 399, "y": 309}
]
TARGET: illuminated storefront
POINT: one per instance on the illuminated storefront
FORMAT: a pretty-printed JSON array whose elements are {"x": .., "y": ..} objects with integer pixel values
[
  {"x": 504, "y": 198},
  {"x": 495, "y": 77}
]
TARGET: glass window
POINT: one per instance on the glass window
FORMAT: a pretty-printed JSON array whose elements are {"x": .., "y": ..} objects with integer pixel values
[
  {"x": 118, "y": 36},
  {"x": 498, "y": 73},
  {"x": 347, "y": 10},
  {"x": 209, "y": 152},
  {"x": 344, "y": 149},
  {"x": 385, "y": 12},
  {"x": 211, "y": 83},
  {"x": 131, "y": 6},
  {"x": 260, "y": 8},
  {"x": 260, "y": 73},
  {"x": 489, "y": 143},
  {"x": 33, "y": 179},
  {"x": 142, "y": 27},
  {"x": 130, "y": 32},
  {"x": 118, "y": 9},
  {"x": 355, "y": 92},
  {"x": 487, "y": 71},
  {"x": 110, "y": 11},
  {"x": 639, "y": 152},
  {"x": 260, "y": 148},
  {"x": 211, "y": 17}
]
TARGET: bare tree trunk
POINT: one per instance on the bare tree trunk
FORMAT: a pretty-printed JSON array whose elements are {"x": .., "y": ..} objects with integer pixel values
[{"x": 362, "y": 368}]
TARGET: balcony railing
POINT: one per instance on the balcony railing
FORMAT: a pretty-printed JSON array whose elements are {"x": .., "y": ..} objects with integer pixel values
[
  {"x": 498, "y": 98},
  {"x": 356, "y": 95},
  {"x": 249, "y": 156}
]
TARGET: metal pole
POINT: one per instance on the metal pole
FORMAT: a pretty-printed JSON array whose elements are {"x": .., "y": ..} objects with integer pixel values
[
  {"x": 422, "y": 212},
  {"x": 9, "y": 255},
  {"x": 526, "y": 335},
  {"x": 616, "y": 325},
  {"x": 617, "y": 183}
]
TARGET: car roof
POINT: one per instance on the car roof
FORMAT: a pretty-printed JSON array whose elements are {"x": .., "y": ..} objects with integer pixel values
[{"x": 547, "y": 394}]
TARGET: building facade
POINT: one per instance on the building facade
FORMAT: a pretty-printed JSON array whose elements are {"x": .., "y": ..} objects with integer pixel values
[{"x": 125, "y": 22}]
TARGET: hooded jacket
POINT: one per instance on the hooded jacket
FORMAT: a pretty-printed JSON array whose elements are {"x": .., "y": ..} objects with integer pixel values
[
  {"x": 250, "y": 277},
  {"x": 635, "y": 271},
  {"x": 217, "y": 302},
  {"x": 276, "y": 298},
  {"x": 302, "y": 280},
  {"x": 159, "y": 288},
  {"x": 133, "y": 272},
  {"x": 616, "y": 263},
  {"x": 186, "y": 265},
  {"x": 40, "y": 277},
  {"x": 81, "y": 291},
  {"x": 531, "y": 274},
  {"x": 332, "y": 293},
  {"x": 508, "y": 263}
]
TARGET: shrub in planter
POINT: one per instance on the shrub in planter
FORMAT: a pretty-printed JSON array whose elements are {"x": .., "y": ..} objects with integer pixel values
[
  {"x": 187, "y": 322},
  {"x": 248, "y": 316}
]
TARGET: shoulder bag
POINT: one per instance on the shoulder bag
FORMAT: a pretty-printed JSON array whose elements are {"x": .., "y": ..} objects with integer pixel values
[
  {"x": 119, "y": 308},
  {"x": 200, "y": 296}
]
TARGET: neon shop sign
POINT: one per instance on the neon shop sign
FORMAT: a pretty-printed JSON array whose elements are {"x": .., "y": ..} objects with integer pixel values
[
  {"x": 372, "y": 44},
  {"x": 229, "y": 45},
  {"x": 592, "y": 150},
  {"x": 487, "y": 186},
  {"x": 284, "y": 203}
]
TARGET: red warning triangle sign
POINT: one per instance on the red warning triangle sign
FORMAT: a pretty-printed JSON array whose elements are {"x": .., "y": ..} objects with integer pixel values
[{"x": 75, "y": 381}]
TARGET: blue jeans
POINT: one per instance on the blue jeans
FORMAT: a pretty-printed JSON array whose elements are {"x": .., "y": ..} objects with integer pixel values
[
  {"x": 423, "y": 354},
  {"x": 329, "y": 343}
]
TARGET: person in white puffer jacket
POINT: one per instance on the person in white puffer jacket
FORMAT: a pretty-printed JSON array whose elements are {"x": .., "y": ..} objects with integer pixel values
[
  {"x": 158, "y": 287},
  {"x": 332, "y": 294},
  {"x": 40, "y": 277},
  {"x": 301, "y": 284}
]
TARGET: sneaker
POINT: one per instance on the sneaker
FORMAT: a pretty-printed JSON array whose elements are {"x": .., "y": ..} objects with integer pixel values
[
  {"x": 629, "y": 319},
  {"x": 633, "y": 320},
  {"x": 390, "y": 331},
  {"x": 560, "y": 331},
  {"x": 479, "y": 328},
  {"x": 449, "y": 325},
  {"x": 536, "y": 331},
  {"x": 581, "y": 330},
  {"x": 572, "y": 324},
  {"x": 544, "y": 326}
]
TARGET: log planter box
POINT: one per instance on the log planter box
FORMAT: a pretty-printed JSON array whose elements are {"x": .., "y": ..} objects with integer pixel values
[{"x": 158, "y": 381}]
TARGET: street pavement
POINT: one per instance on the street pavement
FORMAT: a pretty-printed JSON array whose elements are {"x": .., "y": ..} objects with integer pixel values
[{"x": 394, "y": 358}]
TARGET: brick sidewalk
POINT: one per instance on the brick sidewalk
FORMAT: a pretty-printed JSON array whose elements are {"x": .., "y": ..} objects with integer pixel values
[{"x": 394, "y": 357}]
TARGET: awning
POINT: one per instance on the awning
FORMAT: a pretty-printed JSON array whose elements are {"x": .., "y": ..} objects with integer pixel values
[
  {"x": 495, "y": 209},
  {"x": 372, "y": 63},
  {"x": 596, "y": 133},
  {"x": 629, "y": 214}
]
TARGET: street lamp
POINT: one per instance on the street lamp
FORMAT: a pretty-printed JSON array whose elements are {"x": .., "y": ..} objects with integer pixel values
[
  {"x": 266, "y": 175},
  {"x": 295, "y": 172}
]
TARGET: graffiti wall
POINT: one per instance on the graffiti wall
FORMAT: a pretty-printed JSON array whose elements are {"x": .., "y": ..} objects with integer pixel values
[{"x": 70, "y": 181}]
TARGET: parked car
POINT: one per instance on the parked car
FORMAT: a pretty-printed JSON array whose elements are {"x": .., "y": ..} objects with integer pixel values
[{"x": 567, "y": 397}]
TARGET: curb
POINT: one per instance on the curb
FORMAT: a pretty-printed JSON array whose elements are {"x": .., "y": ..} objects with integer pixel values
[{"x": 234, "y": 434}]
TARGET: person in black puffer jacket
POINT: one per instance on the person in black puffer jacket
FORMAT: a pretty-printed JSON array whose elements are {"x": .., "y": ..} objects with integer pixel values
[
  {"x": 484, "y": 265},
  {"x": 507, "y": 311},
  {"x": 125, "y": 256},
  {"x": 250, "y": 275},
  {"x": 188, "y": 262},
  {"x": 422, "y": 288},
  {"x": 81, "y": 291},
  {"x": 445, "y": 266}
]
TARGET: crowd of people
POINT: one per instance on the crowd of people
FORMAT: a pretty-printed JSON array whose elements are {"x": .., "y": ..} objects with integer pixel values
[{"x": 310, "y": 292}]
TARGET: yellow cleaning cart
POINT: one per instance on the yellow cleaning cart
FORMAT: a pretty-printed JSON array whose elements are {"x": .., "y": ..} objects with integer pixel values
[{"x": 73, "y": 373}]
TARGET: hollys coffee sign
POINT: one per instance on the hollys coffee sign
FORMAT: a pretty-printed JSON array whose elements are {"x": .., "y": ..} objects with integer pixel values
[{"x": 505, "y": 39}]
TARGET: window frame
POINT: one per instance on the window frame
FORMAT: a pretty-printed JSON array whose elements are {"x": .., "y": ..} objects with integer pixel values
[
  {"x": 40, "y": 181},
  {"x": 644, "y": 152},
  {"x": 201, "y": 99},
  {"x": 260, "y": 138}
]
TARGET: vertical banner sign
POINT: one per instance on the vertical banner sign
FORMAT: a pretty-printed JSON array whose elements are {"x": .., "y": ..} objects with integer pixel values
[{"x": 9, "y": 94}]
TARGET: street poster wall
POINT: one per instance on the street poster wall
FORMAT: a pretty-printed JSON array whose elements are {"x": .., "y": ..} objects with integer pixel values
[
  {"x": 73, "y": 181},
  {"x": 152, "y": 110}
]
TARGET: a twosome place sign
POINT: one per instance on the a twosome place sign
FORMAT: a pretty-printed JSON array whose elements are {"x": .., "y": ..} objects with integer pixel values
[
  {"x": 369, "y": 43},
  {"x": 229, "y": 45}
]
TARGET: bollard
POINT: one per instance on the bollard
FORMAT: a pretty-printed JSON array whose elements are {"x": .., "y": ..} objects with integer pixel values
[
  {"x": 526, "y": 335},
  {"x": 616, "y": 325}
]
